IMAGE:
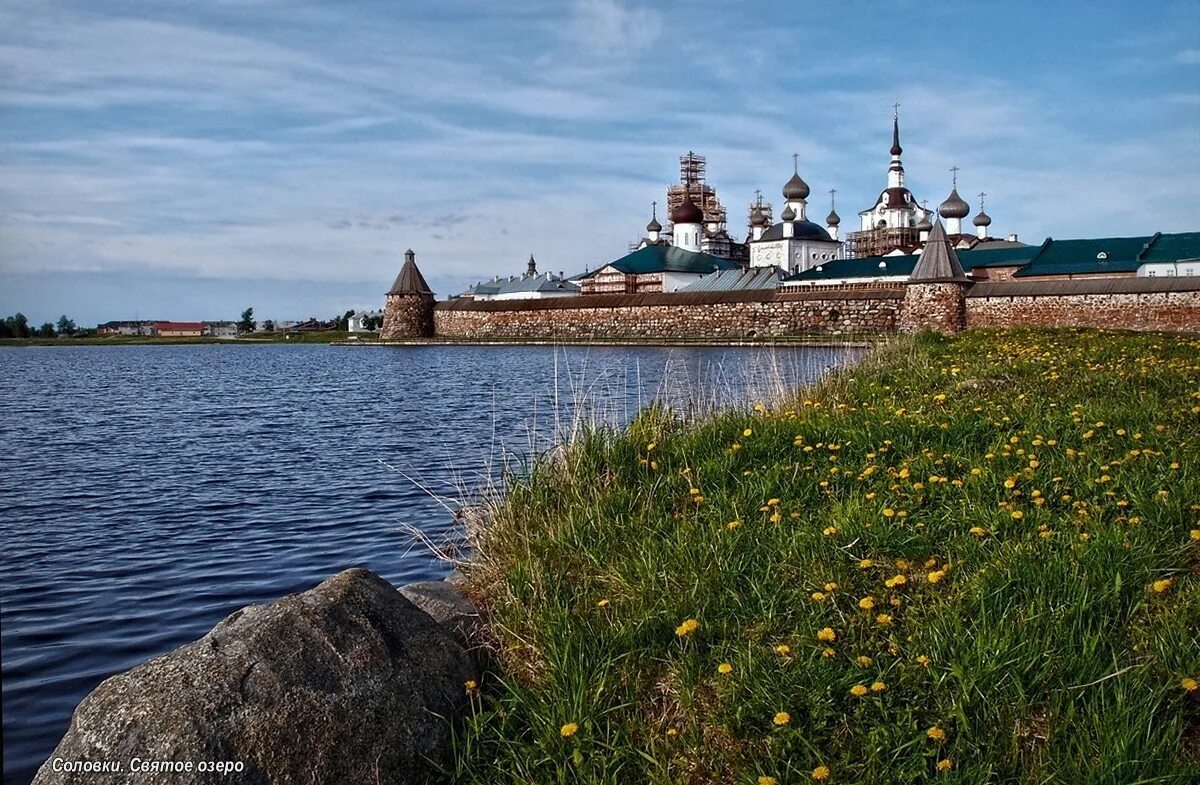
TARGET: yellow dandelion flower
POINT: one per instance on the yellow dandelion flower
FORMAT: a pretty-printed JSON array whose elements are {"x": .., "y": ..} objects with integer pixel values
[
  {"x": 694, "y": 491},
  {"x": 724, "y": 668},
  {"x": 924, "y": 661},
  {"x": 895, "y": 580},
  {"x": 864, "y": 661},
  {"x": 945, "y": 765},
  {"x": 1017, "y": 515},
  {"x": 883, "y": 620},
  {"x": 830, "y": 586},
  {"x": 878, "y": 686},
  {"x": 733, "y": 525},
  {"x": 687, "y": 627},
  {"x": 858, "y": 690},
  {"x": 672, "y": 732},
  {"x": 1162, "y": 586},
  {"x": 979, "y": 531},
  {"x": 818, "y": 596},
  {"x": 470, "y": 685},
  {"x": 650, "y": 447},
  {"x": 865, "y": 564},
  {"x": 772, "y": 502},
  {"x": 820, "y": 773},
  {"x": 1195, "y": 535},
  {"x": 1189, "y": 684},
  {"x": 765, "y": 780},
  {"x": 747, "y": 433},
  {"x": 827, "y": 634},
  {"x": 569, "y": 730},
  {"x": 936, "y": 733},
  {"x": 781, "y": 718},
  {"x": 830, "y": 531},
  {"x": 828, "y": 652},
  {"x": 867, "y": 603},
  {"x": 888, "y": 512},
  {"x": 935, "y": 576},
  {"x": 783, "y": 649},
  {"x": 602, "y": 603}
]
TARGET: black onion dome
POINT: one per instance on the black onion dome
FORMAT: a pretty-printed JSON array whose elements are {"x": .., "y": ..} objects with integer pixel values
[
  {"x": 795, "y": 188},
  {"x": 654, "y": 226},
  {"x": 833, "y": 219},
  {"x": 757, "y": 218},
  {"x": 801, "y": 230},
  {"x": 925, "y": 225},
  {"x": 687, "y": 213},
  {"x": 954, "y": 206},
  {"x": 983, "y": 219},
  {"x": 788, "y": 214}
]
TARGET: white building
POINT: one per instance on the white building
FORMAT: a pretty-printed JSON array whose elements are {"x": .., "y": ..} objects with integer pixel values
[
  {"x": 795, "y": 243},
  {"x": 357, "y": 322}
]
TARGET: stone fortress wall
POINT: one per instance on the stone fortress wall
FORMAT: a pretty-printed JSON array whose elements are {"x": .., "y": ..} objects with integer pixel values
[
  {"x": 708, "y": 315},
  {"x": 1171, "y": 304}
]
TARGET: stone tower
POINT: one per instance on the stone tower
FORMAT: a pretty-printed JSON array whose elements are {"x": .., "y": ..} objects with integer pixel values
[
  {"x": 408, "y": 312},
  {"x": 935, "y": 296}
]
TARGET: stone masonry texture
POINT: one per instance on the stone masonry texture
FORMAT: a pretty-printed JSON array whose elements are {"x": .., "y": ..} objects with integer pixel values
[
  {"x": 666, "y": 316},
  {"x": 1125, "y": 303},
  {"x": 407, "y": 316}
]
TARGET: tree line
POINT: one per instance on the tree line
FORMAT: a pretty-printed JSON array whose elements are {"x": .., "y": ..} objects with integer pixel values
[{"x": 17, "y": 326}]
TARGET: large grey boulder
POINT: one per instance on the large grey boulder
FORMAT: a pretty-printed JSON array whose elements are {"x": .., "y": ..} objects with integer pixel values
[
  {"x": 450, "y": 607},
  {"x": 346, "y": 683}
]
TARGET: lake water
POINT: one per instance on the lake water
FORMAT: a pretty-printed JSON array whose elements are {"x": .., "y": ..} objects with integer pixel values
[{"x": 149, "y": 491}]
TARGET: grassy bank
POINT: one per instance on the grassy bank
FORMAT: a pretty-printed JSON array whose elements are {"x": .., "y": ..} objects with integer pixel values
[{"x": 967, "y": 560}]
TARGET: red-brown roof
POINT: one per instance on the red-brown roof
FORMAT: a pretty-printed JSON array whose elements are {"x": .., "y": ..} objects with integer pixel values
[{"x": 179, "y": 326}]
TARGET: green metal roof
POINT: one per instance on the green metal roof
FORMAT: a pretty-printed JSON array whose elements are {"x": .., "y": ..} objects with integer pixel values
[
  {"x": 1173, "y": 247},
  {"x": 863, "y": 267},
  {"x": 1073, "y": 257},
  {"x": 668, "y": 259},
  {"x": 998, "y": 257}
]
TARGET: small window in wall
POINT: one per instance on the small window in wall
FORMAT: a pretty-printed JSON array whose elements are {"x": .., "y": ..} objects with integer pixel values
[{"x": 1150, "y": 273}]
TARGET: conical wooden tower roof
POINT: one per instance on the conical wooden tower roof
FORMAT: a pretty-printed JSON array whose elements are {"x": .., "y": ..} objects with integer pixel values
[
  {"x": 410, "y": 280},
  {"x": 938, "y": 262}
]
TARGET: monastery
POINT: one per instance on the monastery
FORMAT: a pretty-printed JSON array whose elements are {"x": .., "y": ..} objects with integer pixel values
[
  {"x": 696, "y": 251},
  {"x": 897, "y": 244}
]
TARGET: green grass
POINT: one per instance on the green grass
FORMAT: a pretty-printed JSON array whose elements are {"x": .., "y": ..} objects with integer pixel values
[{"x": 1037, "y": 644}]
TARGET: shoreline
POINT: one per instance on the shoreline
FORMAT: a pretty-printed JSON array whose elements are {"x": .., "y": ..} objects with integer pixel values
[{"x": 858, "y": 342}]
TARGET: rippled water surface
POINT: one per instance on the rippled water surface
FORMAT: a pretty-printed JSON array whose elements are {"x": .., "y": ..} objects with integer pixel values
[{"x": 149, "y": 491}]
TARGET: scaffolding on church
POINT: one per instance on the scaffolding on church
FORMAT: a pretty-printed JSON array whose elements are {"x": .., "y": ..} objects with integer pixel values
[
  {"x": 692, "y": 172},
  {"x": 881, "y": 241}
]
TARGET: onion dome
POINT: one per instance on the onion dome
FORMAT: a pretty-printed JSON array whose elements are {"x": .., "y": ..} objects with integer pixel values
[
  {"x": 788, "y": 214},
  {"x": 925, "y": 225},
  {"x": 795, "y": 188},
  {"x": 896, "y": 148},
  {"x": 954, "y": 206},
  {"x": 833, "y": 219},
  {"x": 654, "y": 226},
  {"x": 688, "y": 213},
  {"x": 983, "y": 219},
  {"x": 757, "y": 218}
]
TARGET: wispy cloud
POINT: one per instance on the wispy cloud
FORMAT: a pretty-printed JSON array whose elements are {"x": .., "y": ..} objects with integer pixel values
[{"x": 317, "y": 141}]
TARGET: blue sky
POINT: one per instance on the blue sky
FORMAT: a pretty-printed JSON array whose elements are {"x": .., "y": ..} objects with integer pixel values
[{"x": 188, "y": 159}]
